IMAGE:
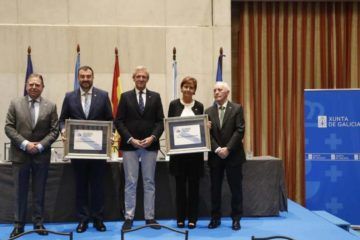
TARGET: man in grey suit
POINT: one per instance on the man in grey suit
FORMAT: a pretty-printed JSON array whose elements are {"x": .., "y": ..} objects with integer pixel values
[
  {"x": 139, "y": 121},
  {"x": 32, "y": 126},
  {"x": 227, "y": 153}
]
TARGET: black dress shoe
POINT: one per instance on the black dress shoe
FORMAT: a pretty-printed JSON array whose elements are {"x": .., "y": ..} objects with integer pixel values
[
  {"x": 16, "y": 231},
  {"x": 154, "y": 224},
  {"x": 214, "y": 223},
  {"x": 127, "y": 225},
  {"x": 192, "y": 224},
  {"x": 99, "y": 225},
  {"x": 81, "y": 227},
  {"x": 236, "y": 225},
  {"x": 180, "y": 224},
  {"x": 41, "y": 230}
]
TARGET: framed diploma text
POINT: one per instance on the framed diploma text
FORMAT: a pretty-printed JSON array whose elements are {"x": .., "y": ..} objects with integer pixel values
[
  {"x": 86, "y": 139},
  {"x": 187, "y": 134}
]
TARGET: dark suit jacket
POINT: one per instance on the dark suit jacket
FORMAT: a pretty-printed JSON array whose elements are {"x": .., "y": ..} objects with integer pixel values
[
  {"x": 230, "y": 135},
  {"x": 18, "y": 128},
  {"x": 131, "y": 123},
  {"x": 191, "y": 163},
  {"x": 100, "y": 108}
]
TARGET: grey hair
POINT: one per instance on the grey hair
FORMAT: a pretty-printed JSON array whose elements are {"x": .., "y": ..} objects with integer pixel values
[
  {"x": 141, "y": 69},
  {"x": 222, "y": 84}
]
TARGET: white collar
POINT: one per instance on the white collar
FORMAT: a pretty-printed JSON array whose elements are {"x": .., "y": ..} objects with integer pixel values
[
  {"x": 36, "y": 100},
  {"x": 137, "y": 91},
  {"x": 224, "y": 105},
  {"x": 188, "y": 104},
  {"x": 82, "y": 92}
]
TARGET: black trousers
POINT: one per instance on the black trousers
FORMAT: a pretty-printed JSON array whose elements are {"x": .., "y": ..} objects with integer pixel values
[
  {"x": 187, "y": 197},
  {"x": 234, "y": 178},
  {"x": 21, "y": 174},
  {"x": 89, "y": 176}
]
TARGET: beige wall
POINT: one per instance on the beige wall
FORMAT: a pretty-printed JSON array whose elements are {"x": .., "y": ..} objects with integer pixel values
[{"x": 145, "y": 32}]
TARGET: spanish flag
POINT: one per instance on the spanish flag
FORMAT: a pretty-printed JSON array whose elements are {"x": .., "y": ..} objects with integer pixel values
[
  {"x": 115, "y": 97},
  {"x": 116, "y": 86}
]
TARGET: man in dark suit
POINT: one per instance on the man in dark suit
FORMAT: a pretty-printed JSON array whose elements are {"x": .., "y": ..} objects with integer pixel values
[
  {"x": 227, "y": 153},
  {"x": 87, "y": 103},
  {"x": 32, "y": 126},
  {"x": 139, "y": 121}
]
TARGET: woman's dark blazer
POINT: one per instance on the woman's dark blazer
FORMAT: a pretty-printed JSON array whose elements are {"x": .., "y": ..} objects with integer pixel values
[{"x": 191, "y": 164}]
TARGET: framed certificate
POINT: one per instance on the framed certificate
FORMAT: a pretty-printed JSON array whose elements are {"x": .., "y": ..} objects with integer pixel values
[
  {"x": 187, "y": 134},
  {"x": 86, "y": 139}
]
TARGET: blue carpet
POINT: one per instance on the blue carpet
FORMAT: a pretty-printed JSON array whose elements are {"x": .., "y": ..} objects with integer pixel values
[{"x": 299, "y": 223}]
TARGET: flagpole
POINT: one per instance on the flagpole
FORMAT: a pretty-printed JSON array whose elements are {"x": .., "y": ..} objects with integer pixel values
[
  {"x": 77, "y": 66},
  {"x": 115, "y": 97},
  {"x": 174, "y": 67},
  {"x": 29, "y": 68},
  {"x": 114, "y": 92},
  {"x": 220, "y": 66}
]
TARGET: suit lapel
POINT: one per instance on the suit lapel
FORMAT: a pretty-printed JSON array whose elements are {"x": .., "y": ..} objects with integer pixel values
[
  {"x": 195, "y": 109},
  {"x": 215, "y": 116},
  {"x": 26, "y": 110},
  {"x": 148, "y": 101},
  {"x": 134, "y": 101},
  {"x": 42, "y": 107},
  {"x": 77, "y": 102},
  {"x": 227, "y": 112},
  {"x": 94, "y": 99}
]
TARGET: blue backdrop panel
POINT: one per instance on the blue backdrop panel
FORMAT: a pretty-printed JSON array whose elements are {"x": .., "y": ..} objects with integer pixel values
[{"x": 332, "y": 151}]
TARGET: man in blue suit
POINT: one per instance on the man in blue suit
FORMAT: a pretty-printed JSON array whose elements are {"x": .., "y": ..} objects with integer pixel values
[{"x": 87, "y": 103}]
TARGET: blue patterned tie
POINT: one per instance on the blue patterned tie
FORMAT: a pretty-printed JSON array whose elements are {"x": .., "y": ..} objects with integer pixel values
[{"x": 141, "y": 102}]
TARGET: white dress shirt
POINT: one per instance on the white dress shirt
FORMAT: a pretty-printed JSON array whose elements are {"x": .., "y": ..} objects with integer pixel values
[
  {"x": 37, "y": 110},
  {"x": 187, "y": 111}
]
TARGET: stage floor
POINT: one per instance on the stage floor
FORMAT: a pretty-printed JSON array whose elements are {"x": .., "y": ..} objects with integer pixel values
[{"x": 299, "y": 224}]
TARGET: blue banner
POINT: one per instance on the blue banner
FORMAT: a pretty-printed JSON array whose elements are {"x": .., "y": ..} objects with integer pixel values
[{"x": 332, "y": 151}]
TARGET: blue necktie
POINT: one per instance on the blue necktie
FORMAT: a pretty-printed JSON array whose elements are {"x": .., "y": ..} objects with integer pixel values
[{"x": 141, "y": 102}]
